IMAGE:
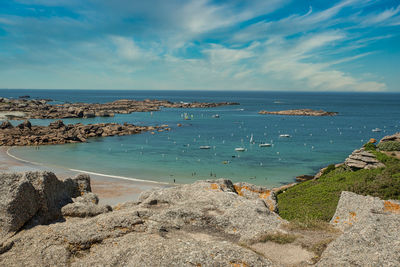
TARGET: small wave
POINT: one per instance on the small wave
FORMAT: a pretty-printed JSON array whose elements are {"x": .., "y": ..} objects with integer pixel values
[
  {"x": 19, "y": 159},
  {"x": 118, "y": 177},
  {"x": 87, "y": 172}
]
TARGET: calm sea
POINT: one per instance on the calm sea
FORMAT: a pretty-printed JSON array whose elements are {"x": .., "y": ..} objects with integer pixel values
[{"x": 314, "y": 143}]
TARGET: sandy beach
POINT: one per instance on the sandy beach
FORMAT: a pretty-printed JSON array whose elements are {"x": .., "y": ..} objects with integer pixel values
[{"x": 111, "y": 190}]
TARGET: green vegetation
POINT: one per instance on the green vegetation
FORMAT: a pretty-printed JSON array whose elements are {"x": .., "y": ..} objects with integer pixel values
[
  {"x": 370, "y": 147},
  {"x": 328, "y": 169},
  {"x": 309, "y": 224},
  {"x": 313, "y": 201},
  {"x": 280, "y": 238},
  {"x": 389, "y": 146}
]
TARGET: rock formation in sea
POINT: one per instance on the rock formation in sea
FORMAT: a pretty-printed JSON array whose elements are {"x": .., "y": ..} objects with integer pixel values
[
  {"x": 300, "y": 112},
  {"x": 57, "y": 132},
  {"x": 41, "y": 109},
  {"x": 48, "y": 222}
]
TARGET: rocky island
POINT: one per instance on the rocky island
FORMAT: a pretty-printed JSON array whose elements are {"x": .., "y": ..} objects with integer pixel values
[
  {"x": 57, "y": 132},
  {"x": 299, "y": 112},
  {"x": 41, "y": 109}
]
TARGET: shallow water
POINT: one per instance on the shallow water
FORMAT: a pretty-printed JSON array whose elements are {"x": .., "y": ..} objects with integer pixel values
[{"x": 314, "y": 142}]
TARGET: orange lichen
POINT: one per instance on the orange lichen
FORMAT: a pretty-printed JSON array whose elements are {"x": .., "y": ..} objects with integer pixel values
[
  {"x": 238, "y": 190},
  {"x": 391, "y": 207},
  {"x": 262, "y": 194},
  {"x": 336, "y": 220},
  {"x": 239, "y": 264},
  {"x": 353, "y": 215},
  {"x": 214, "y": 186},
  {"x": 117, "y": 207}
]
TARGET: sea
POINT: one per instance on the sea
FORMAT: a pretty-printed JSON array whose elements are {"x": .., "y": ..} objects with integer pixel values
[{"x": 175, "y": 156}]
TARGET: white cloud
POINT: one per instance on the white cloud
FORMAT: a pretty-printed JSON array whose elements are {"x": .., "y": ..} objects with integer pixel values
[
  {"x": 385, "y": 16},
  {"x": 288, "y": 63},
  {"x": 150, "y": 44}
]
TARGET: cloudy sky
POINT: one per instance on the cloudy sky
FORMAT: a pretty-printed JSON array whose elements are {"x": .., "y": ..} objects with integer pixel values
[{"x": 349, "y": 45}]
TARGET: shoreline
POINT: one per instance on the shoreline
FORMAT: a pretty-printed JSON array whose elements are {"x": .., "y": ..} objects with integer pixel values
[
  {"x": 111, "y": 189},
  {"x": 89, "y": 172}
]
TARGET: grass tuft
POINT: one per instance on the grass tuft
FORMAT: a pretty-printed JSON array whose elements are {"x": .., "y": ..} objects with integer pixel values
[{"x": 280, "y": 238}]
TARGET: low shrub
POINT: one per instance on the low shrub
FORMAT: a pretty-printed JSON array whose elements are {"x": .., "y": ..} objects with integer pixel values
[
  {"x": 389, "y": 146},
  {"x": 280, "y": 238},
  {"x": 328, "y": 169},
  {"x": 369, "y": 147}
]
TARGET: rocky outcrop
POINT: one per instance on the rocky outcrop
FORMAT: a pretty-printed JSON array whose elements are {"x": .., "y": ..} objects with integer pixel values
[
  {"x": 362, "y": 159},
  {"x": 255, "y": 192},
  {"x": 58, "y": 133},
  {"x": 370, "y": 233},
  {"x": 41, "y": 109},
  {"x": 32, "y": 198},
  {"x": 85, "y": 206},
  {"x": 394, "y": 137},
  {"x": 48, "y": 222},
  {"x": 207, "y": 223},
  {"x": 299, "y": 112}
]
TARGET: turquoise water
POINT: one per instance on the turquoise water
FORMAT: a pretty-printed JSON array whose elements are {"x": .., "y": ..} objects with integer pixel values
[{"x": 314, "y": 143}]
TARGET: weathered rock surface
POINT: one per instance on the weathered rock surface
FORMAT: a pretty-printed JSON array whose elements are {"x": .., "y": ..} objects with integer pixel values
[
  {"x": 394, "y": 137},
  {"x": 40, "y": 109},
  {"x": 33, "y": 198},
  {"x": 58, "y": 133},
  {"x": 371, "y": 233},
  {"x": 205, "y": 223},
  {"x": 85, "y": 206},
  {"x": 299, "y": 112},
  {"x": 362, "y": 159},
  {"x": 208, "y": 223}
]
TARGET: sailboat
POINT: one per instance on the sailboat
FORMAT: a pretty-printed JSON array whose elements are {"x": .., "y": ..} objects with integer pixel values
[{"x": 252, "y": 139}]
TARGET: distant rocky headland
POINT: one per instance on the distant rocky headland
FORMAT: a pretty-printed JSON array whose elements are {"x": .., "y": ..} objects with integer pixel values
[
  {"x": 57, "y": 132},
  {"x": 300, "y": 112},
  {"x": 41, "y": 109}
]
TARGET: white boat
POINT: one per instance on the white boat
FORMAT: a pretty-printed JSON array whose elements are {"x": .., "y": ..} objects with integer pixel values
[
  {"x": 377, "y": 130},
  {"x": 241, "y": 149},
  {"x": 205, "y": 147},
  {"x": 252, "y": 139},
  {"x": 215, "y": 116},
  {"x": 264, "y": 145},
  {"x": 284, "y": 135}
]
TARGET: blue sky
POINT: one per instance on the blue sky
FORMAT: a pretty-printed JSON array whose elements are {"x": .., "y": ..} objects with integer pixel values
[{"x": 349, "y": 45}]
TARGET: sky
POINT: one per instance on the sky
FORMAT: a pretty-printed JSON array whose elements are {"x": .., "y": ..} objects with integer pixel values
[{"x": 280, "y": 45}]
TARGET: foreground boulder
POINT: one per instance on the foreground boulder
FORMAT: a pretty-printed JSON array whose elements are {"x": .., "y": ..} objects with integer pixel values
[
  {"x": 32, "y": 198},
  {"x": 207, "y": 223},
  {"x": 371, "y": 235}
]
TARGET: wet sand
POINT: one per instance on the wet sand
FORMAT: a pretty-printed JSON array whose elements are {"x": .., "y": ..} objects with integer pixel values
[{"x": 110, "y": 190}]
